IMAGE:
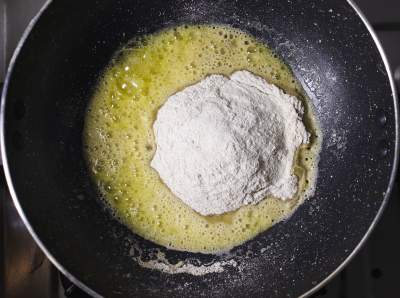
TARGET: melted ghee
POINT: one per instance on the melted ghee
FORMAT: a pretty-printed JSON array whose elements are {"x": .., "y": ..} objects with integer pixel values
[{"x": 119, "y": 142}]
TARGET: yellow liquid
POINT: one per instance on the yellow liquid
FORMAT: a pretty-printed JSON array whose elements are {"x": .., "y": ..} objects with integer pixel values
[{"x": 119, "y": 140}]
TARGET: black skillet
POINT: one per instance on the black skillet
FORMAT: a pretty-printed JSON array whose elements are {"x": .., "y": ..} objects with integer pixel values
[{"x": 331, "y": 50}]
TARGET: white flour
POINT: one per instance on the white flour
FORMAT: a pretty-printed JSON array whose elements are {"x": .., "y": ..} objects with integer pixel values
[{"x": 227, "y": 142}]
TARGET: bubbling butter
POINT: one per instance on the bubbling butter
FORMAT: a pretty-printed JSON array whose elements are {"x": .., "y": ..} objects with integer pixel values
[{"x": 119, "y": 141}]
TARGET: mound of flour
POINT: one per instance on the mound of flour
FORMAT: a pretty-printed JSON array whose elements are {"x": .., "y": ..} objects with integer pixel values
[{"x": 227, "y": 142}]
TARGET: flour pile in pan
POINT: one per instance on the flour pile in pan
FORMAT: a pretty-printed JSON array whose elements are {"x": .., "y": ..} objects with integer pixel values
[
  {"x": 119, "y": 141},
  {"x": 228, "y": 142}
]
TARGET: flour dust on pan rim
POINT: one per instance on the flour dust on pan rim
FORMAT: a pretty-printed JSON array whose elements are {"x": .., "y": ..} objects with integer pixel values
[{"x": 395, "y": 160}]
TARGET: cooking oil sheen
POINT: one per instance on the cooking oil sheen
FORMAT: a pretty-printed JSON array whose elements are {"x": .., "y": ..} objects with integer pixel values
[{"x": 119, "y": 141}]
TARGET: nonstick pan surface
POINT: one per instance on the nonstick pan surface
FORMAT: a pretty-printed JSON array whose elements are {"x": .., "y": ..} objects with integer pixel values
[{"x": 332, "y": 53}]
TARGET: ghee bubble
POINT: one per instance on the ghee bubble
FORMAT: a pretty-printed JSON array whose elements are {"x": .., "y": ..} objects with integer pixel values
[{"x": 119, "y": 143}]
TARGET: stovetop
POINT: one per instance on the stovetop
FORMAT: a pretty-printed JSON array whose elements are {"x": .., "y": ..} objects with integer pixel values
[{"x": 26, "y": 272}]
